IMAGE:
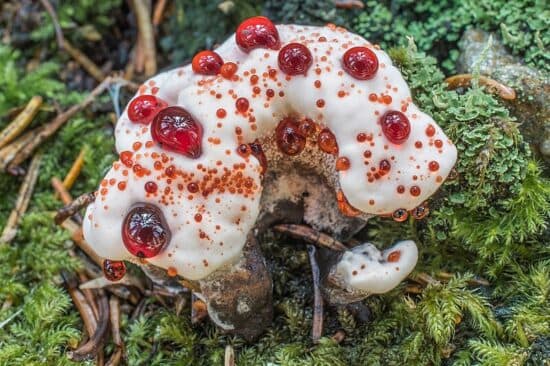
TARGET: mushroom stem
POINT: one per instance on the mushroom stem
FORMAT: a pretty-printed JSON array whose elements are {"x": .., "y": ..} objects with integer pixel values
[
  {"x": 72, "y": 207},
  {"x": 311, "y": 236},
  {"x": 20, "y": 122},
  {"x": 493, "y": 86},
  {"x": 317, "y": 330},
  {"x": 23, "y": 199},
  {"x": 94, "y": 344}
]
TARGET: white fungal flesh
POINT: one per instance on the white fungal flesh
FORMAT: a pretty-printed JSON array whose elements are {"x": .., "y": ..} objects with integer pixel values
[
  {"x": 196, "y": 248},
  {"x": 366, "y": 269}
]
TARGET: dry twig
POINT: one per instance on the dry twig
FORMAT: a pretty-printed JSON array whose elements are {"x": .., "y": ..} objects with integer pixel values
[
  {"x": 159, "y": 12},
  {"x": 73, "y": 206},
  {"x": 23, "y": 199},
  {"x": 317, "y": 330},
  {"x": 20, "y": 122},
  {"x": 145, "y": 36},
  {"x": 349, "y": 4},
  {"x": 82, "y": 305},
  {"x": 493, "y": 86},
  {"x": 83, "y": 60},
  {"x": 74, "y": 172},
  {"x": 311, "y": 236},
  {"x": 114, "y": 308}
]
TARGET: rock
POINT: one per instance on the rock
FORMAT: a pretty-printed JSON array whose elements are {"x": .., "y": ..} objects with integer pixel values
[{"x": 532, "y": 86}]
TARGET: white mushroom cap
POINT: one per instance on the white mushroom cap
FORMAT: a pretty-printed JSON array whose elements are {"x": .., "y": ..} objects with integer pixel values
[{"x": 366, "y": 269}]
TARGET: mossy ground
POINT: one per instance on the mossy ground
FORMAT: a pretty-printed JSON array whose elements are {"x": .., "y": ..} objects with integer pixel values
[{"x": 491, "y": 221}]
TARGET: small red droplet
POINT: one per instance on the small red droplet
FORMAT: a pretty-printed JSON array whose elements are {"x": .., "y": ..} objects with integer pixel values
[
  {"x": 320, "y": 103},
  {"x": 143, "y": 108},
  {"x": 144, "y": 231},
  {"x": 327, "y": 142},
  {"x": 171, "y": 271},
  {"x": 289, "y": 138},
  {"x": 242, "y": 105},
  {"x": 295, "y": 59},
  {"x": 193, "y": 187},
  {"x": 394, "y": 256},
  {"x": 400, "y": 215},
  {"x": 395, "y": 126},
  {"x": 433, "y": 166},
  {"x": 418, "y": 144},
  {"x": 384, "y": 166},
  {"x": 430, "y": 131},
  {"x": 151, "y": 187},
  {"x": 438, "y": 144},
  {"x": 198, "y": 217},
  {"x": 228, "y": 69},
  {"x": 221, "y": 113},
  {"x": 400, "y": 189},
  {"x": 257, "y": 32},
  {"x": 244, "y": 150},
  {"x": 121, "y": 186},
  {"x": 114, "y": 270},
  {"x": 360, "y": 62},
  {"x": 176, "y": 130},
  {"x": 126, "y": 158},
  {"x": 415, "y": 191},
  {"x": 342, "y": 163},
  {"x": 207, "y": 63},
  {"x": 373, "y": 97},
  {"x": 361, "y": 137}
]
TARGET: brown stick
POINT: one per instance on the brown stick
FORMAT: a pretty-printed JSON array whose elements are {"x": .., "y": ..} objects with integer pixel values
[
  {"x": 72, "y": 207},
  {"x": 8, "y": 153},
  {"x": 74, "y": 172},
  {"x": 83, "y": 60},
  {"x": 311, "y": 236},
  {"x": 94, "y": 345},
  {"x": 114, "y": 307},
  {"x": 51, "y": 11},
  {"x": 478, "y": 281},
  {"x": 88, "y": 294},
  {"x": 493, "y": 86},
  {"x": 20, "y": 122},
  {"x": 349, "y": 4},
  {"x": 50, "y": 128},
  {"x": 82, "y": 305},
  {"x": 23, "y": 199},
  {"x": 76, "y": 234},
  {"x": 145, "y": 29},
  {"x": 317, "y": 330},
  {"x": 159, "y": 12}
]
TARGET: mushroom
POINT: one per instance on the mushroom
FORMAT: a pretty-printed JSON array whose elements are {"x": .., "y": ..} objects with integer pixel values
[{"x": 280, "y": 124}]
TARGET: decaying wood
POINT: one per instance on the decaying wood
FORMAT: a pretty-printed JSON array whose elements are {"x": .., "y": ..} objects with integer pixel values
[
  {"x": 34, "y": 138},
  {"x": 145, "y": 36},
  {"x": 94, "y": 345},
  {"x": 23, "y": 199},
  {"x": 20, "y": 122},
  {"x": 493, "y": 86},
  {"x": 311, "y": 236},
  {"x": 198, "y": 309},
  {"x": 7, "y": 153},
  {"x": 229, "y": 359},
  {"x": 74, "y": 172},
  {"x": 72, "y": 207},
  {"x": 317, "y": 330},
  {"x": 114, "y": 308}
]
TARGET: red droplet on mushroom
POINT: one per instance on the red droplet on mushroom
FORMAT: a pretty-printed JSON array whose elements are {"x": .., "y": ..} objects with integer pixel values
[
  {"x": 421, "y": 211},
  {"x": 289, "y": 138},
  {"x": 257, "y": 32},
  {"x": 295, "y": 59},
  {"x": 395, "y": 126},
  {"x": 228, "y": 69},
  {"x": 151, "y": 187},
  {"x": 400, "y": 189},
  {"x": 258, "y": 153},
  {"x": 384, "y": 167},
  {"x": 327, "y": 141},
  {"x": 144, "y": 231},
  {"x": 342, "y": 164},
  {"x": 242, "y": 105},
  {"x": 433, "y": 166},
  {"x": 430, "y": 131},
  {"x": 244, "y": 150},
  {"x": 394, "y": 256},
  {"x": 415, "y": 191},
  {"x": 360, "y": 62},
  {"x": 307, "y": 127},
  {"x": 176, "y": 130},
  {"x": 344, "y": 206},
  {"x": 400, "y": 215},
  {"x": 114, "y": 270},
  {"x": 143, "y": 108},
  {"x": 207, "y": 63}
]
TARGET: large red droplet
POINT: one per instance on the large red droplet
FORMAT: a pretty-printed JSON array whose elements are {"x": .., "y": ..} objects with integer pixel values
[
  {"x": 360, "y": 62},
  {"x": 176, "y": 130},
  {"x": 395, "y": 126},
  {"x": 257, "y": 32},
  {"x": 144, "y": 231},
  {"x": 207, "y": 63},
  {"x": 289, "y": 138},
  {"x": 114, "y": 270},
  {"x": 327, "y": 142},
  {"x": 258, "y": 153},
  {"x": 144, "y": 108},
  {"x": 295, "y": 59}
]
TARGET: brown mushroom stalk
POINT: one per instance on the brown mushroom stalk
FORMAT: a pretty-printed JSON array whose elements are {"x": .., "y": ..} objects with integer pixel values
[
  {"x": 20, "y": 122},
  {"x": 23, "y": 199},
  {"x": 310, "y": 235},
  {"x": 317, "y": 330}
]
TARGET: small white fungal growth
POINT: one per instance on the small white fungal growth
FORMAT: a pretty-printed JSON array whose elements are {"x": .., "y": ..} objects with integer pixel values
[{"x": 366, "y": 269}]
